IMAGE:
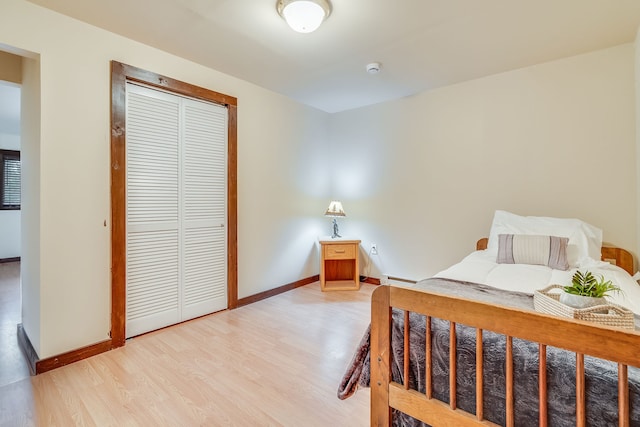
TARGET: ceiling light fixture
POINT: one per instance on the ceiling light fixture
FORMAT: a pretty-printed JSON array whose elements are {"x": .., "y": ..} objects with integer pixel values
[{"x": 304, "y": 16}]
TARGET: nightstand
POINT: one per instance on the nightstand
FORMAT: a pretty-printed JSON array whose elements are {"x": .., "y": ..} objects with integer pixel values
[{"x": 339, "y": 270}]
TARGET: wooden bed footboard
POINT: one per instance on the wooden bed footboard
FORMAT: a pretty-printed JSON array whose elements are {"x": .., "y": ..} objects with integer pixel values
[{"x": 581, "y": 338}]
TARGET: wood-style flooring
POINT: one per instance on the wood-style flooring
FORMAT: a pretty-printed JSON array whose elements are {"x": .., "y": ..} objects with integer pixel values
[
  {"x": 277, "y": 362},
  {"x": 13, "y": 365}
]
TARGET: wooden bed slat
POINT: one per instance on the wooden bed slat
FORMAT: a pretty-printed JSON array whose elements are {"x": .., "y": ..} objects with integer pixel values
[
  {"x": 428, "y": 366},
  {"x": 581, "y": 416},
  {"x": 407, "y": 350},
  {"x": 542, "y": 385},
  {"x": 623, "y": 396},
  {"x": 509, "y": 381},
  {"x": 453, "y": 350},
  {"x": 479, "y": 376},
  {"x": 432, "y": 411}
]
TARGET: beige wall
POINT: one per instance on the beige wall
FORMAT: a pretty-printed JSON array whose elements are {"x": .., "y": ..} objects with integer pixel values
[
  {"x": 278, "y": 220},
  {"x": 30, "y": 211},
  {"x": 422, "y": 176}
]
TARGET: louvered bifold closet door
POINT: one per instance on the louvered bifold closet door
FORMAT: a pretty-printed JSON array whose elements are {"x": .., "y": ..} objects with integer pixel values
[
  {"x": 152, "y": 150},
  {"x": 204, "y": 208},
  {"x": 176, "y": 209}
]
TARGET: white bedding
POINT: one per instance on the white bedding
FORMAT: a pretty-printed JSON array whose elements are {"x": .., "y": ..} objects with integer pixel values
[{"x": 481, "y": 267}]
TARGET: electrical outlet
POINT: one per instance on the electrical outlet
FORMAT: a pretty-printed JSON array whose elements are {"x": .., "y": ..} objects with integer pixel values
[
  {"x": 384, "y": 279},
  {"x": 374, "y": 249}
]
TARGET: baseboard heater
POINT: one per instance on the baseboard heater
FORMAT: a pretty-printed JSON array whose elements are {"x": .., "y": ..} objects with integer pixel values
[{"x": 400, "y": 279}]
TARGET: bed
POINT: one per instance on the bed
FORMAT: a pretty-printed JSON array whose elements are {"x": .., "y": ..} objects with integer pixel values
[{"x": 454, "y": 352}]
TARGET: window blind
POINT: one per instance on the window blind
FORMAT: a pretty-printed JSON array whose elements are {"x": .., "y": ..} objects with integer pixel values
[{"x": 10, "y": 179}]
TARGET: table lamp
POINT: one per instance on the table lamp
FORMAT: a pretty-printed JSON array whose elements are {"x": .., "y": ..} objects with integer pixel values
[{"x": 335, "y": 210}]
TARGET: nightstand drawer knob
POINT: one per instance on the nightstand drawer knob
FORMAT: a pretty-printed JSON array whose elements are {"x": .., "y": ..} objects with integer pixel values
[{"x": 339, "y": 251}]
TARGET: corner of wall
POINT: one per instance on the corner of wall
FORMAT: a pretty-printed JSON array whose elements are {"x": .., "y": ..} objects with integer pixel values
[
  {"x": 637, "y": 86},
  {"x": 30, "y": 212}
]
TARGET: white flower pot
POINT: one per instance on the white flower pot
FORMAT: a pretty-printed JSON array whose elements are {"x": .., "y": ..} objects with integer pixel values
[{"x": 580, "y": 301}]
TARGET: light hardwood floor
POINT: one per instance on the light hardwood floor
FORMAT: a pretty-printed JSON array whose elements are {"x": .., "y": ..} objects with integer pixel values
[{"x": 277, "y": 362}]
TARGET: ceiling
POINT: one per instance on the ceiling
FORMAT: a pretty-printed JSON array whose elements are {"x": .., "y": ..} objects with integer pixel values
[{"x": 422, "y": 44}]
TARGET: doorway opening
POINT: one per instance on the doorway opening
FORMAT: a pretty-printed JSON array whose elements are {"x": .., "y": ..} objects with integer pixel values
[{"x": 13, "y": 365}]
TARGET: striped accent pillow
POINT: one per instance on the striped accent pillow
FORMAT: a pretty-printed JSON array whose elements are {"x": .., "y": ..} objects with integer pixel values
[{"x": 537, "y": 250}]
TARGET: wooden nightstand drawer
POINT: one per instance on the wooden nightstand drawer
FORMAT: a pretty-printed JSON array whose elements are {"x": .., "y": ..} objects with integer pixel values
[{"x": 346, "y": 251}]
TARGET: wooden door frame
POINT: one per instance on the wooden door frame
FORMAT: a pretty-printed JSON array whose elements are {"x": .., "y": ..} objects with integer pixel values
[{"x": 120, "y": 75}]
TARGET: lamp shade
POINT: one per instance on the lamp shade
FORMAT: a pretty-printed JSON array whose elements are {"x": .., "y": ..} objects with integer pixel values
[
  {"x": 335, "y": 209},
  {"x": 304, "y": 16}
]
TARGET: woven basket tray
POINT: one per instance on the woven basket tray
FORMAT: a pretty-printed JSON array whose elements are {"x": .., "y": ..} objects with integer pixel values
[{"x": 608, "y": 314}]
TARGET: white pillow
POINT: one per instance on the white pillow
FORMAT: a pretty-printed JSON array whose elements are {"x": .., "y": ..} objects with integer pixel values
[{"x": 585, "y": 240}]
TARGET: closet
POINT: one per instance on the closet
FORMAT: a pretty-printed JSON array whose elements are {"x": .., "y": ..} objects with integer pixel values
[{"x": 176, "y": 247}]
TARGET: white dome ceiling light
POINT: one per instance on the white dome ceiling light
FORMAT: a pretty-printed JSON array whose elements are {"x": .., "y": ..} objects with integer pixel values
[{"x": 304, "y": 16}]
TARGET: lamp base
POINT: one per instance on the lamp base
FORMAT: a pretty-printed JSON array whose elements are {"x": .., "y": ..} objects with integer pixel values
[{"x": 335, "y": 229}]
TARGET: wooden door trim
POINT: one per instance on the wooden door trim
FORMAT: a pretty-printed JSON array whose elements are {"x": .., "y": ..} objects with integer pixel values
[{"x": 120, "y": 75}]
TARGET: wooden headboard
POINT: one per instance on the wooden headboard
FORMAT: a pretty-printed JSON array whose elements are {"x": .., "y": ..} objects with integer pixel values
[{"x": 616, "y": 256}]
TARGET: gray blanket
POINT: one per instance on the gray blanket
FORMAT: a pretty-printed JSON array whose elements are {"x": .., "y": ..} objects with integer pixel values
[{"x": 601, "y": 376}]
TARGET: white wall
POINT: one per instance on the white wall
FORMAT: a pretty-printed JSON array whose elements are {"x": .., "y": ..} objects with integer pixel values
[
  {"x": 9, "y": 141},
  {"x": 9, "y": 219},
  {"x": 10, "y": 75},
  {"x": 9, "y": 234},
  {"x": 422, "y": 176},
  {"x": 278, "y": 214}
]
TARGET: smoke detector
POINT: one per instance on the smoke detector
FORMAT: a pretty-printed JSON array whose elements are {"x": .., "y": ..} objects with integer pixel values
[{"x": 373, "y": 68}]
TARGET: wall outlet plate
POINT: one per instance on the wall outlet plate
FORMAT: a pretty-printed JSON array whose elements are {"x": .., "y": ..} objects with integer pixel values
[{"x": 374, "y": 249}]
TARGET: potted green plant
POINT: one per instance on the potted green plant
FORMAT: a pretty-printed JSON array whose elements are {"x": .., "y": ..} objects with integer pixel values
[{"x": 587, "y": 290}]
